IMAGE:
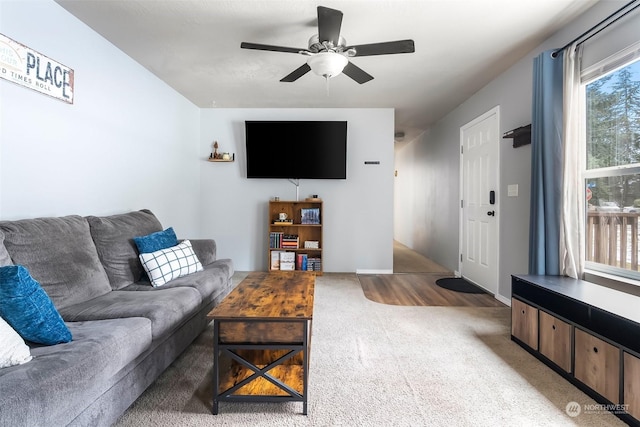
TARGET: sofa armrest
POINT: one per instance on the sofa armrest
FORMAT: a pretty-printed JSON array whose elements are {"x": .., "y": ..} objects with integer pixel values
[{"x": 205, "y": 250}]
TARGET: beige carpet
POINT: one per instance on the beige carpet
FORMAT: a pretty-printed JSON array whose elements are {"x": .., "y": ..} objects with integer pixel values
[{"x": 382, "y": 365}]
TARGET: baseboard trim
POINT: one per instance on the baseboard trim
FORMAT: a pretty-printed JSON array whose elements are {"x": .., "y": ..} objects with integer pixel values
[
  {"x": 365, "y": 271},
  {"x": 504, "y": 300}
]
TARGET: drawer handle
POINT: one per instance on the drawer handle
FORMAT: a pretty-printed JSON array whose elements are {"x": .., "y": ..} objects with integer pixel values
[
  {"x": 595, "y": 349},
  {"x": 522, "y": 311},
  {"x": 553, "y": 327}
]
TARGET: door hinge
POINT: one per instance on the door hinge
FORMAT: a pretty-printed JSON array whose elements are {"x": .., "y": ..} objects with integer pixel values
[
  {"x": 460, "y": 257},
  {"x": 461, "y": 204},
  {"x": 462, "y": 149}
]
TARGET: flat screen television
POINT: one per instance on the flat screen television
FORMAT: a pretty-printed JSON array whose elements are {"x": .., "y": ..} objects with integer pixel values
[{"x": 296, "y": 149}]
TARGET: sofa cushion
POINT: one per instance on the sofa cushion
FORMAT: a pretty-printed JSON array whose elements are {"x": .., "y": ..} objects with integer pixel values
[
  {"x": 167, "y": 309},
  {"x": 113, "y": 237},
  {"x": 205, "y": 250},
  {"x": 156, "y": 241},
  {"x": 167, "y": 264},
  {"x": 213, "y": 282},
  {"x": 60, "y": 254},
  {"x": 5, "y": 258},
  {"x": 62, "y": 380},
  {"x": 13, "y": 350},
  {"x": 28, "y": 308}
]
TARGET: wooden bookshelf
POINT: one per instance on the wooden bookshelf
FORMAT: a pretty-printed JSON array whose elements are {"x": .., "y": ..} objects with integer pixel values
[{"x": 300, "y": 227}]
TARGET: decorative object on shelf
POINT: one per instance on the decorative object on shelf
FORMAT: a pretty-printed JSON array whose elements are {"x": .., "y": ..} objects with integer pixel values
[
  {"x": 312, "y": 244},
  {"x": 217, "y": 157},
  {"x": 521, "y": 136},
  {"x": 310, "y": 216},
  {"x": 313, "y": 198},
  {"x": 282, "y": 216}
]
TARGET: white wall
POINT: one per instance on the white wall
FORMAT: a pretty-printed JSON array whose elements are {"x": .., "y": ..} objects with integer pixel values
[
  {"x": 358, "y": 211},
  {"x": 432, "y": 162},
  {"x": 128, "y": 142}
]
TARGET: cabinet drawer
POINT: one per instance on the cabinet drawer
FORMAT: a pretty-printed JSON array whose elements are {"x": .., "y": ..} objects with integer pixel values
[
  {"x": 555, "y": 340},
  {"x": 632, "y": 385},
  {"x": 524, "y": 323},
  {"x": 597, "y": 365}
]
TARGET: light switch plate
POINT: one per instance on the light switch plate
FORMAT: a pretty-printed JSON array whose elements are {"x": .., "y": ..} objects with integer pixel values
[{"x": 512, "y": 190}]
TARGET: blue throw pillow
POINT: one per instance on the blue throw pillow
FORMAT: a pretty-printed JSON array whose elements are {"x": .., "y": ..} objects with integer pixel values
[
  {"x": 28, "y": 309},
  {"x": 156, "y": 241}
]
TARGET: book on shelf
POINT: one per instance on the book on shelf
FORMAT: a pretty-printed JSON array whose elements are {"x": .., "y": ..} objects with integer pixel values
[
  {"x": 301, "y": 262},
  {"x": 275, "y": 260},
  {"x": 287, "y": 261},
  {"x": 279, "y": 240},
  {"x": 312, "y": 244},
  {"x": 314, "y": 264}
]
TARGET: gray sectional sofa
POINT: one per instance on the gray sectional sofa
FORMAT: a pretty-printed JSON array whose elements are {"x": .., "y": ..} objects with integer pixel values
[{"x": 125, "y": 332}]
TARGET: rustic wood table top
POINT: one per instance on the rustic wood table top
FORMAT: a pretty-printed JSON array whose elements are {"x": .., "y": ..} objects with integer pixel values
[{"x": 274, "y": 295}]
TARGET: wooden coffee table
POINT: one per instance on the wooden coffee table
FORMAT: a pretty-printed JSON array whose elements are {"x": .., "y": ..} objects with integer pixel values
[{"x": 261, "y": 339}]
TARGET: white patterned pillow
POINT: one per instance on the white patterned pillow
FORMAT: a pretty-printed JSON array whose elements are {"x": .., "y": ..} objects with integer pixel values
[
  {"x": 168, "y": 264},
  {"x": 13, "y": 350}
]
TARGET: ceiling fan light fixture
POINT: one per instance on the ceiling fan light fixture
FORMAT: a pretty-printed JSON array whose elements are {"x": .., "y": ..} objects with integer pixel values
[{"x": 327, "y": 64}]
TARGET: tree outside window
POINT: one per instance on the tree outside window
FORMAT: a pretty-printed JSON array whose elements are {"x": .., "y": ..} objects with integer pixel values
[{"x": 612, "y": 175}]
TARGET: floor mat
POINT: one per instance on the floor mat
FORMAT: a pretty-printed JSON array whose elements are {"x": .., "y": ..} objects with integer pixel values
[{"x": 459, "y": 284}]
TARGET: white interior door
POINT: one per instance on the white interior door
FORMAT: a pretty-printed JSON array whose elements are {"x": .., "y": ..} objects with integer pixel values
[{"x": 479, "y": 167}]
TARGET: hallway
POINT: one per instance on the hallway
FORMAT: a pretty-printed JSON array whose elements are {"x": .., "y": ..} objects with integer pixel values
[{"x": 406, "y": 260}]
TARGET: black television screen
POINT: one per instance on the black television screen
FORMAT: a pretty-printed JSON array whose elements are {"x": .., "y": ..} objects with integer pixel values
[{"x": 296, "y": 149}]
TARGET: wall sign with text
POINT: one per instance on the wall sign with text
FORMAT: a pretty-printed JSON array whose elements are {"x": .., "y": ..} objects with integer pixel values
[{"x": 29, "y": 68}]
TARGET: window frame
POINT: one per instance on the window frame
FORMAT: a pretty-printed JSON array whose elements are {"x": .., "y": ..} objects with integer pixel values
[{"x": 609, "y": 65}]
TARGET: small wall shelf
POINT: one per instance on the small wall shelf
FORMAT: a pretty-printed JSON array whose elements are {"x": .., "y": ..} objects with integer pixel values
[{"x": 221, "y": 160}]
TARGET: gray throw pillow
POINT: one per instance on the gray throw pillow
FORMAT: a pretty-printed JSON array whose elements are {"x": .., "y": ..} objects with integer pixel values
[{"x": 113, "y": 236}]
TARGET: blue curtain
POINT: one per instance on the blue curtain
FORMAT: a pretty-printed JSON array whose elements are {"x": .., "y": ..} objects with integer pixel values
[{"x": 546, "y": 164}]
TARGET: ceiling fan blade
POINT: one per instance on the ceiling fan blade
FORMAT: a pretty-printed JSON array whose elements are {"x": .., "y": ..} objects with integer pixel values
[
  {"x": 329, "y": 23},
  {"x": 256, "y": 46},
  {"x": 296, "y": 74},
  {"x": 385, "y": 48},
  {"x": 357, "y": 73}
]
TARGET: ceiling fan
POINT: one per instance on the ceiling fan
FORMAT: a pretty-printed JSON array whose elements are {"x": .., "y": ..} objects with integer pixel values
[{"x": 328, "y": 52}]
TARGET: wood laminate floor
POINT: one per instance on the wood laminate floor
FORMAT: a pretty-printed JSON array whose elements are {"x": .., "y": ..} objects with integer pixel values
[
  {"x": 414, "y": 284},
  {"x": 419, "y": 289}
]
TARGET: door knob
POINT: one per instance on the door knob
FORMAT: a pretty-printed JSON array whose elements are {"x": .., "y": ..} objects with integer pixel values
[{"x": 491, "y": 213}]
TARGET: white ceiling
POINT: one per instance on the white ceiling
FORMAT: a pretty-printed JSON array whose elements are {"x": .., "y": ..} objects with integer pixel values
[{"x": 461, "y": 45}]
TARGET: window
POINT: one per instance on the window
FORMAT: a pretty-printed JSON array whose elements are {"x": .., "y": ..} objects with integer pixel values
[{"x": 612, "y": 173}]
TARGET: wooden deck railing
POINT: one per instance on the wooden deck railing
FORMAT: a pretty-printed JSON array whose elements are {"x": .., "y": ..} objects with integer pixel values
[{"x": 612, "y": 239}]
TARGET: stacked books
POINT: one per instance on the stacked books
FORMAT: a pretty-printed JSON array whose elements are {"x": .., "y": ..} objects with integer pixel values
[
  {"x": 279, "y": 240},
  {"x": 290, "y": 241},
  {"x": 314, "y": 264}
]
